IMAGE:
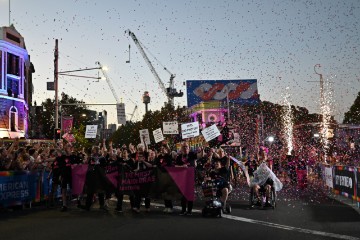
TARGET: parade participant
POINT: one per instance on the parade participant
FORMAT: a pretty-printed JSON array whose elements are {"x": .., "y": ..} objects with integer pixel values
[
  {"x": 55, "y": 175},
  {"x": 186, "y": 159},
  {"x": 141, "y": 156},
  {"x": 162, "y": 160},
  {"x": 262, "y": 155},
  {"x": 203, "y": 163},
  {"x": 67, "y": 159},
  {"x": 96, "y": 181},
  {"x": 221, "y": 174},
  {"x": 124, "y": 164}
]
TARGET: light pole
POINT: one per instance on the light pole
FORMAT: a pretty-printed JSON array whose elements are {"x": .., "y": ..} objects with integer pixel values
[{"x": 64, "y": 73}]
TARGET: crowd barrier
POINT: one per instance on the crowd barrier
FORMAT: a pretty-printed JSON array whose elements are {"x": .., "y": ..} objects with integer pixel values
[{"x": 26, "y": 187}]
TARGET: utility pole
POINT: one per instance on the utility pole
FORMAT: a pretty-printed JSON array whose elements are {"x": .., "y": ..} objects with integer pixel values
[{"x": 56, "y": 75}]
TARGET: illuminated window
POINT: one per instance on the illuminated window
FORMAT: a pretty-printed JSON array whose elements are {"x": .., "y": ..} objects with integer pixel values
[
  {"x": 12, "y": 87},
  {"x": 13, "y": 64}
]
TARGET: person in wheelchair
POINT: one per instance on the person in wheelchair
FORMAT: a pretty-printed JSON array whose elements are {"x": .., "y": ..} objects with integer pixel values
[
  {"x": 265, "y": 188},
  {"x": 268, "y": 185},
  {"x": 221, "y": 175}
]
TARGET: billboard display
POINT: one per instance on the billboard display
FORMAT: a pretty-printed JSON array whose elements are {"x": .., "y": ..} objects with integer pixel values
[{"x": 237, "y": 91}]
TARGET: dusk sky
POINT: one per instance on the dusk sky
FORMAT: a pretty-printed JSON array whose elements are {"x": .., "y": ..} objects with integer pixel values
[{"x": 277, "y": 42}]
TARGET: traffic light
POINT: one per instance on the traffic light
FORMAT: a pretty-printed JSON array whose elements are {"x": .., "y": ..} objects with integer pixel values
[{"x": 57, "y": 133}]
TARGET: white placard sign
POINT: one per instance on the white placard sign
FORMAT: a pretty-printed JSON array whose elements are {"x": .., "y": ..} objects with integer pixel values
[
  {"x": 189, "y": 130},
  {"x": 121, "y": 116},
  {"x": 158, "y": 135},
  {"x": 210, "y": 133},
  {"x": 145, "y": 133},
  {"x": 171, "y": 127},
  {"x": 91, "y": 131},
  {"x": 329, "y": 177}
]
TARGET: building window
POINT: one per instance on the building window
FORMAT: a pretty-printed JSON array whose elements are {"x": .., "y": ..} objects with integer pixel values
[
  {"x": 12, "y": 87},
  {"x": 13, "y": 64},
  {"x": 13, "y": 119}
]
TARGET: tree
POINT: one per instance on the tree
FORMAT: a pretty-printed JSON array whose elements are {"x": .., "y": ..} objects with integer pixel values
[
  {"x": 47, "y": 119},
  {"x": 353, "y": 115}
]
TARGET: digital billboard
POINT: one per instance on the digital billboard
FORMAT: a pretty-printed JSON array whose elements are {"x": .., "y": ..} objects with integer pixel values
[{"x": 236, "y": 91}]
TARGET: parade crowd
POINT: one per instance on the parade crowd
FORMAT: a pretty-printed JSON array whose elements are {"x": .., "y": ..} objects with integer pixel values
[{"x": 209, "y": 162}]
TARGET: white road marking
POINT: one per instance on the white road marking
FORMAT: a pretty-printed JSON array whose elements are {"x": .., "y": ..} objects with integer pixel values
[{"x": 275, "y": 225}]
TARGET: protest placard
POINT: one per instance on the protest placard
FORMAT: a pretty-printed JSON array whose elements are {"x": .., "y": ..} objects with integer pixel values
[
  {"x": 145, "y": 133},
  {"x": 91, "y": 131},
  {"x": 189, "y": 130},
  {"x": 210, "y": 133},
  {"x": 170, "y": 127},
  {"x": 158, "y": 136}
]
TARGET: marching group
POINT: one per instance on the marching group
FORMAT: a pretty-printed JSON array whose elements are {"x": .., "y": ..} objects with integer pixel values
[{"x": 210, "y": 163}]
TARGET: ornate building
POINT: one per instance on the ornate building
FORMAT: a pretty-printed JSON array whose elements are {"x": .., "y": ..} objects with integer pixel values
[{"x": 15, "y": 84}]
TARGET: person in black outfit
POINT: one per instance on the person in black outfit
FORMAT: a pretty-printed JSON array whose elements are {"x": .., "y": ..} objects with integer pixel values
[
  {"x": 140, "y": 156},
  {"x": 55, "y": 175},
  {"x": 162, "y": 160},
  {"x": 186, "y": 159},
  {"x": 221, "y": 175},
  {"x": 125, "y": 164},
  {"x": 96, "y": 180},
  {"x": 66, "y": 160}
]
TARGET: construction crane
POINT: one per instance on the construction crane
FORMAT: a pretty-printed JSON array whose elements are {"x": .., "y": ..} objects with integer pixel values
[
  {"x": 113, "y": 90},
  {"x": 170, "y": 92}
]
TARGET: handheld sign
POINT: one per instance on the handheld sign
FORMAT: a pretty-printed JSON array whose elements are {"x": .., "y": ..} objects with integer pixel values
[
  {"x": 170, "y": 127},
  {"x": 189, "y": 130},
  {"x": 210, "y": 133},
  {"x": 145, "y": 133},
  {"x": 158, "y": 136},
  {"x": 91, "y": 131}
]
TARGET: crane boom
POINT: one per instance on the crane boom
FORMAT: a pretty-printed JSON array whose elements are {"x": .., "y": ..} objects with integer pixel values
[
  {"x": 109, "y": 82},
  {"x": 170, "y": 92}
]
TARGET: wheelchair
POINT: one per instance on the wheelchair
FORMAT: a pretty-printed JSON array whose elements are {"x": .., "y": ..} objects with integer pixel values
[
  {"x": 213, "y": 206},
  {"x": 253, "y": 199}
]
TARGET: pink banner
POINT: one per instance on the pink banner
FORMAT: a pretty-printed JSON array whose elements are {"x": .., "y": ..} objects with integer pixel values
[
  {"x": 78, "y": 178},
  {"x": 113, "y": 177},
  {"x": 184, "y": 179},
  {"x": 66, "y": 123}
]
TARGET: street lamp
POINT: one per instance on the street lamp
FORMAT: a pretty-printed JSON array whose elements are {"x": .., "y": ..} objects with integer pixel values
[{"x": 64, "y": 73}]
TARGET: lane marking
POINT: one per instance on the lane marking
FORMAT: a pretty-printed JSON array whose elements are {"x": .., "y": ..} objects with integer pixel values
[{"x": 275, "y": 225}]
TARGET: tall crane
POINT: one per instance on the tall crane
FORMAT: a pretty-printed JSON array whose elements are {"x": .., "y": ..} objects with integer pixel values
[
  {"x": 118, "y": 102},
  {"x": 170, "y": 92},
  {"x": 108, "y": 82}
]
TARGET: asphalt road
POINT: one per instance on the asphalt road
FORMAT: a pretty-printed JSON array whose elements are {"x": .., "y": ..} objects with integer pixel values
[{"x": 300, "y": 214}]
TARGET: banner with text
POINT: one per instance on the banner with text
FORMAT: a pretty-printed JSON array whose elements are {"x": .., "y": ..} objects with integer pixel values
[
  {"x": 17, "y": 187},
  {"x": 344, "y": 181}
]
